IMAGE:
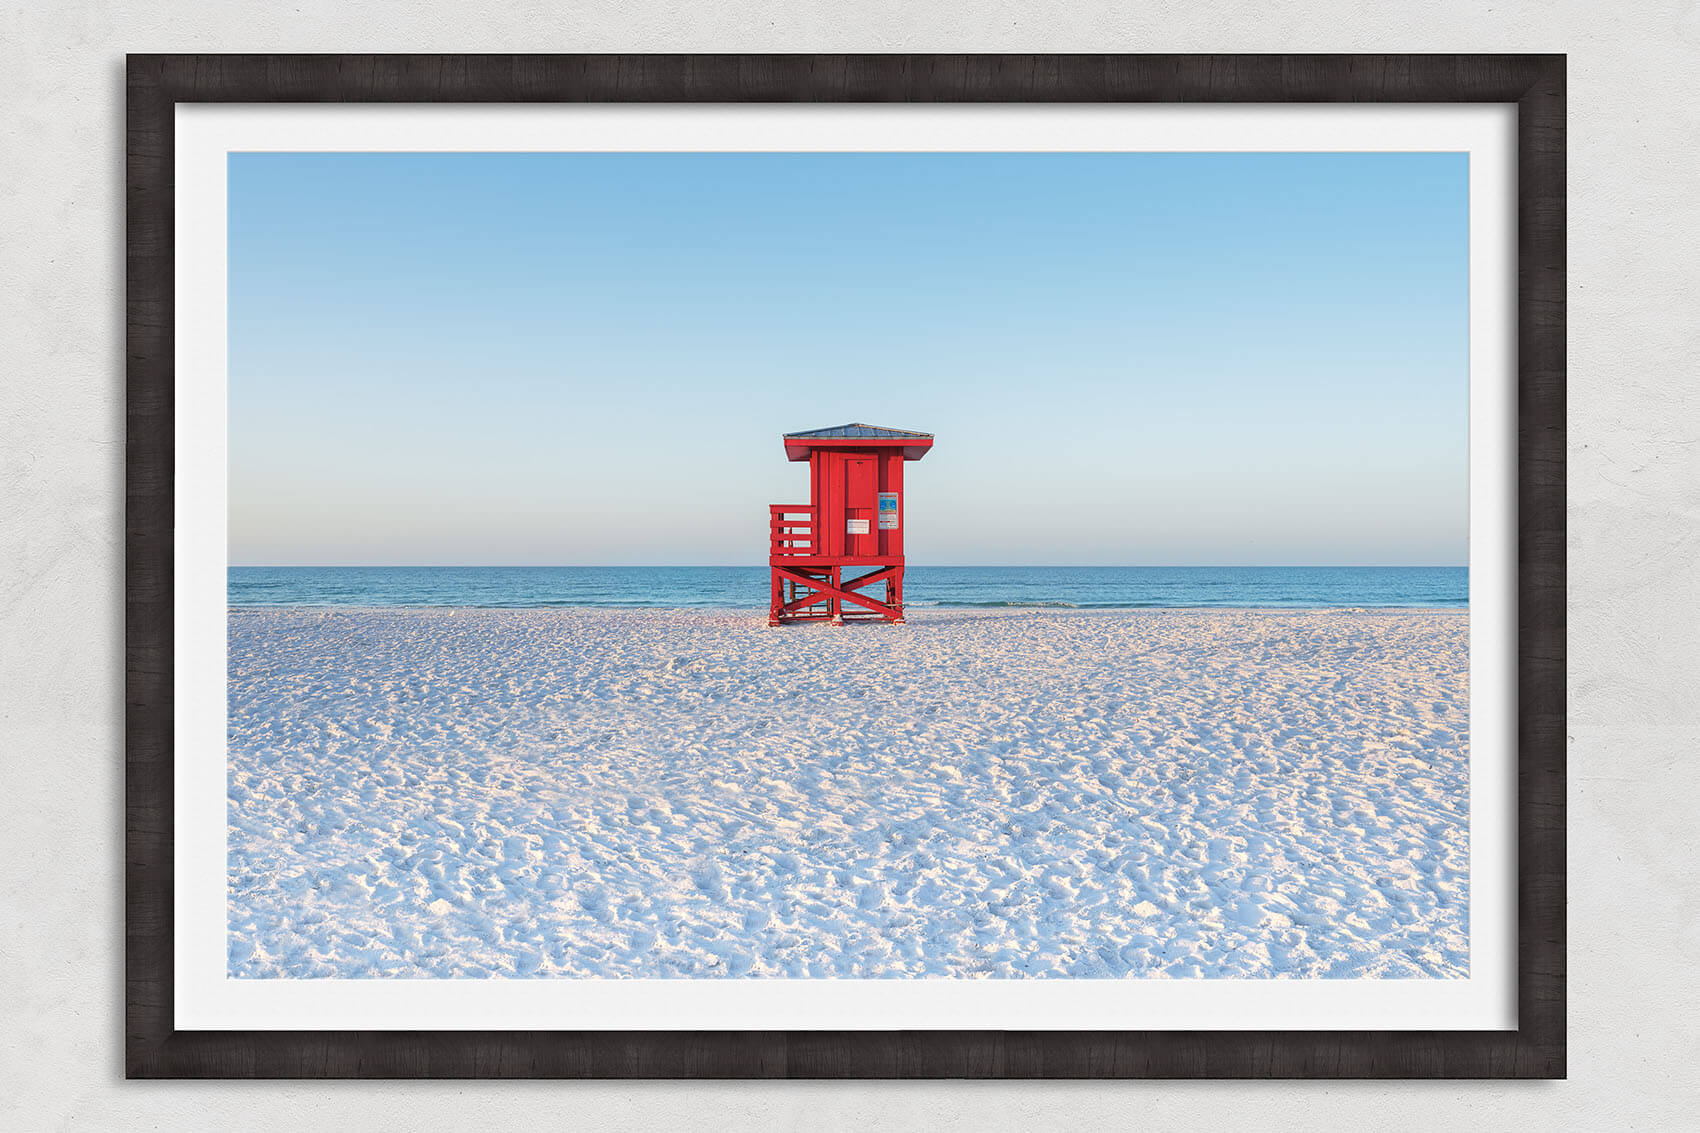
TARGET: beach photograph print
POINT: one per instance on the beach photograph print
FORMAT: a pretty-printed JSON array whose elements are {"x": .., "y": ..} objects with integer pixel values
[{"x": 848, "y": 566}]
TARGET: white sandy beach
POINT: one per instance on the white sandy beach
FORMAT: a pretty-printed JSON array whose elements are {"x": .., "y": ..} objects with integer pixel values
[{"x": 1002, "y": 793}]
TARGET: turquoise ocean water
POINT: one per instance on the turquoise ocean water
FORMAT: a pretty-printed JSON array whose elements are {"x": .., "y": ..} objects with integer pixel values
[{"x": 747, "y": 587}]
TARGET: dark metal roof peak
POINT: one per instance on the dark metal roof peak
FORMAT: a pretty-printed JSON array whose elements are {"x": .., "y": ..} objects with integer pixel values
[{"x": 859, "y": 431}]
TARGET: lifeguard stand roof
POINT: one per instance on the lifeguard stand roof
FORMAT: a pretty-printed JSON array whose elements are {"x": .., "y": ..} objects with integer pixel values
[{"x": 798, "y": 446}]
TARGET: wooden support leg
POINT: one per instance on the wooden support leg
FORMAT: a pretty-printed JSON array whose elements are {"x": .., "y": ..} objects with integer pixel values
[{"x": 799, "y": 591}]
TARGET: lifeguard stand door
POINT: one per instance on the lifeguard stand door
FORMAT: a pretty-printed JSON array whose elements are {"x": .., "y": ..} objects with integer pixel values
[{"x": 861, "y": 485}]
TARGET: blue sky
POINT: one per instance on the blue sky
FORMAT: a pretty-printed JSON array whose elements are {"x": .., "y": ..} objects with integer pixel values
[{"x": 589, "y": 358}]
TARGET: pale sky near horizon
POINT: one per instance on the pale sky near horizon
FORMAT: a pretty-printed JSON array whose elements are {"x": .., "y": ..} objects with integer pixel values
[{"x": 1166, "y": 359}]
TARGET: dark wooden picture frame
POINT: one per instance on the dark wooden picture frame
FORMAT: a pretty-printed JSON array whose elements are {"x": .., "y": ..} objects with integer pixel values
[{"x": 154, "y": 1048}]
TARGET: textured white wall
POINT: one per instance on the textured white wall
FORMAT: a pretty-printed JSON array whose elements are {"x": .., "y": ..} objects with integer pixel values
[{"x": 1634, "y": 547}]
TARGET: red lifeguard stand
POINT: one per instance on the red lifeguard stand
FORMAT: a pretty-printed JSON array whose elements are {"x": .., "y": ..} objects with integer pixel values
[{"x": 854, "y": 518}]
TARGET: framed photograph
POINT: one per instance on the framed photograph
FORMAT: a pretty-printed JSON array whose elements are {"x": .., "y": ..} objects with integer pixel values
[{"x": 852, "y": 566}]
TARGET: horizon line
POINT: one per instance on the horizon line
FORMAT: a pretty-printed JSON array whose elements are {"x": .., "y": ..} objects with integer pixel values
[{"x": 935, "y": 566}]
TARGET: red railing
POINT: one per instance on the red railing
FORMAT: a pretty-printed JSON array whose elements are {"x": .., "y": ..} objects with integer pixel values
[{"x": 791, "y": 530}]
